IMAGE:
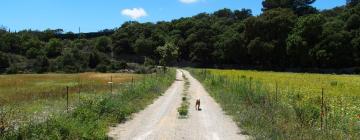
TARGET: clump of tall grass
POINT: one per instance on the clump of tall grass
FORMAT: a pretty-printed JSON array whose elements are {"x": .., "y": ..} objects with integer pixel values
[
  {"x": 183, "y": 110},
  {"x": 94, "y": 114},
  {"x": 266, "y": 114}
]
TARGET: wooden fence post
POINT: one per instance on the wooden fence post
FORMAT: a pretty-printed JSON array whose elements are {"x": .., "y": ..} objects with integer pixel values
[
  {"x": 322, "y": 108},
  {"x": 67, "y": 98},
  {"x": 79, "y": 92},
  {"x": 250, "y": 83},
  {"x": 276, "y": 92},
  {"x": 132, "y": 82},
  {"x": 205, "y": 74},
  {"x": 144, "y": 80}
]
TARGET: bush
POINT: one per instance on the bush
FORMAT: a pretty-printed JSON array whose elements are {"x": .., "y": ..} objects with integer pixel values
[
  {"x": 41, "y": 64},
  {"x": 101, "y": 68},
  {"x": 71, "y": 69},
  {"x": 183, "y": 110},
  {"x": 357, "y": 70},
  {"x": 141, "y": 68},
  {"x": 13, "y": 69},
  {"x": 117, "y": 65},
  {"x": 149, "y": 62}
]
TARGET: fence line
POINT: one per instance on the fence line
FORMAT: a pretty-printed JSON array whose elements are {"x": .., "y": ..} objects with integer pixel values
[{"x": 328, "y": 106}]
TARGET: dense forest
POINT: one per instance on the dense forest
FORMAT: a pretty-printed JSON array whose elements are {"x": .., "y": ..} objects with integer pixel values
[{"x": 288, "y": 34}]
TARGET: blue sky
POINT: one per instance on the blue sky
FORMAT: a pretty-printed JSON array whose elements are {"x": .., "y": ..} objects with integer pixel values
[{"x": 94, "y": 15}]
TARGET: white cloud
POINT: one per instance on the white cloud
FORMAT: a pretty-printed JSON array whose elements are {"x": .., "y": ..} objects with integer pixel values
[
  {"x": 188, "y": 1},
  {"x": 134, "y": 13}
]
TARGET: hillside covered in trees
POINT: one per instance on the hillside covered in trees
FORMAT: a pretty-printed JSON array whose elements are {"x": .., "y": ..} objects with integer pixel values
[{"x": 288, "y": 34}]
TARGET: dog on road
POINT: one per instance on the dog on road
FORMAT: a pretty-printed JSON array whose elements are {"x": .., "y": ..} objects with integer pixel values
[{"x": 197, "y": 105}]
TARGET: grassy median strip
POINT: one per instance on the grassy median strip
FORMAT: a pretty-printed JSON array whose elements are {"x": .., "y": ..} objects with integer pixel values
[
  {"x": 184, "y": 108},
  {"x": 94, "y": 114}
]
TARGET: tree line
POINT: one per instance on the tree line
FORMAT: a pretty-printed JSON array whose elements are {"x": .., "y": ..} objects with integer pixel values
[{"x": 287, "y": 34}]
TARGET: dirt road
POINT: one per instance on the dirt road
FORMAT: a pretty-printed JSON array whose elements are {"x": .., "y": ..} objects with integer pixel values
[{"x": 160, "y": 121}]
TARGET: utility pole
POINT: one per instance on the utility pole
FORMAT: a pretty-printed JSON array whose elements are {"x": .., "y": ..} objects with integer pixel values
[{"x": 79, "y": 33}]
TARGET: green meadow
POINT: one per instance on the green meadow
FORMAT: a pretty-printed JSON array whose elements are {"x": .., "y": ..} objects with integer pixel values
[
  {"x": 39, "y": 106},
  {"x": 281, "y": 105}
]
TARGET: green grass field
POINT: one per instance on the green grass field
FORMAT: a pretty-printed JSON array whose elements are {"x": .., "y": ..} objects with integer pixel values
[
  {"x": 33, "y": 97},
  {"x": 279, "y": 105},
  {"x": 27, "y": 87},
  {"x": 35, "y": 106}
]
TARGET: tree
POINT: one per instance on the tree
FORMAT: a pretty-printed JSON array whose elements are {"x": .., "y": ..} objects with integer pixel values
[
  {"x": 168, "y": 52},
  {"x": 33, "y": 53},
  {"x": 103, "y": 44},
  {"x": 272, "y": 27},
  {"x": 352, "y": 3},
  {"x": 242, "y": 14},
  {"x": 300, "y": 7},
  {"x": 2, "y": 30},
  {"x": 288, "y": 33},
  {"x": 94, "y": 60},
  {"x": 260, "y": 52},
  {"x": 54, "y": 48},
  {"x": 41, "y": 64},
  {"x": 353, "y": 22},
  {"x": 69, "y": 62},
  {"x": 305, "y": 35},
  {"x": 230, "y": 48},
  {"x": 144, "y": 46},
  {"x": 116, "y": 65},
  {"x": 272, "y": 4},
  {"x": 102, "y": 68},
  {"x": 11, "y": 43},
  {"x": 201, "y": 52},
  {"x": 81, "y": 58},
  {"x": 334, "y": 49},
  {"x": 33, "y": 48},
  {"x": 4, "y": 62},
  {"x": 122, "y": 40},
  {"x": 81, "y": 44},
  {"x": 225, "y": 13},
  {"x": 355, "y": 43}
]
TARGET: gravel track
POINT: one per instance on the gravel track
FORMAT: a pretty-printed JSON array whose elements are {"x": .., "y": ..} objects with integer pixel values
[{"x": 159, "y": 121}]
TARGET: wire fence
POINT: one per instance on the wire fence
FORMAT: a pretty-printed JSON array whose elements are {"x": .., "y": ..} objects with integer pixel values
[
  {"x": 27, "y": 106},
  {"x": 314, "y": 108}
]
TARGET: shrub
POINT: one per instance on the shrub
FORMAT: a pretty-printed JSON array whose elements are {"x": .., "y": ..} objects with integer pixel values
[
  {"x": 13, "y": 69},
  {"x": 41, "y": 64},
  {"x": 149, "y": 62},
  {"x": 141, "y": 68},
  {"x": 183, "y": 110},
  {"x": 101, "y": 68},
  {"x": 116, "y": 65}
]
